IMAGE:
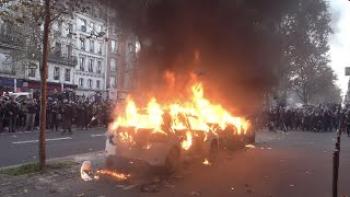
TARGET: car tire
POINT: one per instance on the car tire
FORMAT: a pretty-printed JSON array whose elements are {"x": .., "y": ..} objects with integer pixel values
[
  {"x": 110, "y": 162},
  {"x": 251, "y": 139},
  {"x": 172, "y": 161},
  {"x": 213, "y": 151}
]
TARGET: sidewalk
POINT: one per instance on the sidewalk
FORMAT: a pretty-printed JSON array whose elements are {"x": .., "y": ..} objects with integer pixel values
[{"x": 51, "y": 183}]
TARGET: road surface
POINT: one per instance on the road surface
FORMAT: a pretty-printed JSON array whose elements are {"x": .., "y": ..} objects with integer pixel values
[
  {"x": 22, "y": 147},
  {"x": 294, "y": 164}
]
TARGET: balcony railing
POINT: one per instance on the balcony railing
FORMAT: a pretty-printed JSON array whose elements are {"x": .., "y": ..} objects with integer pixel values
[
  {"x": 10, "y": 40},
  {"x": 64, "y": 60}
]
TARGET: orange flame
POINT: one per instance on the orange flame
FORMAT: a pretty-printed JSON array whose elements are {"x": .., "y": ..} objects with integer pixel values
[
  {"x": 187, "y": 143},
  {"x": 117, "y": 175},
  {"x": 197, "y": 114}
]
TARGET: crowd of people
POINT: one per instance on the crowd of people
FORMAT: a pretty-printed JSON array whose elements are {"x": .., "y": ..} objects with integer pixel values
[
  {"x": 64, "y": 110},
  {"x": 320, "y": 118}
]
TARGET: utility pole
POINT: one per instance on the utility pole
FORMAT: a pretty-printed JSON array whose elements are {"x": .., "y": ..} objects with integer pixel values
[{"x": 336, "y": 153}]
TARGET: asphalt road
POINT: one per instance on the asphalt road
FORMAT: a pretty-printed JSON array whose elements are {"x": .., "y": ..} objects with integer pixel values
[
  {"x": 294, "y": 164},
  {"x": 22, "y": 147}
]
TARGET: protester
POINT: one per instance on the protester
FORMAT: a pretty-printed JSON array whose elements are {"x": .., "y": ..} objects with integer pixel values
[
  {"x": 30, "y": 114},
  {"x": 321, "y": 118},
  {"x": 64, "y": 111}
]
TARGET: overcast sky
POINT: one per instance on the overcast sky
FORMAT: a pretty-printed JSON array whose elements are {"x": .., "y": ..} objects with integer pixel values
[{"x": 340, "y": 41}]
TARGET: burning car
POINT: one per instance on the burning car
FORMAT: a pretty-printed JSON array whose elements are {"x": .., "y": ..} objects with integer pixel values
[{"x": 166, "y": 134}]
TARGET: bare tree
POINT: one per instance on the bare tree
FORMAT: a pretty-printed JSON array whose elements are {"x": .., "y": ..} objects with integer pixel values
[{"x": 35, "y": 19}]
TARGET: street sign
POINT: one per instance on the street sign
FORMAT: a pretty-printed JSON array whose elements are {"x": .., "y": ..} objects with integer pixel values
[{"x": 347, "y": 71}]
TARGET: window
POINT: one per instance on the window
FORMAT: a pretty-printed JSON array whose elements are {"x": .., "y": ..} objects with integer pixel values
[
  {"x": 59, "y": 26},
  {"x": 99, "y": 47},
  {"x": 113, "y": 65},
  {"x": 92, "y": 45},
  {"x": 91, "y": 65},
  {"x": 58, "y": 50},
  {"x": 99, "y": 29},
  {"x": 70, "y": 28},
  {"x": 67, "y": 75},
  {"x": 92, "y": 26},
  {"x": 98, "y": 84},
  {"x": 32, "y": 72},
  {"x": 113, "y": 46},
  {"x": 90, "y": 83},
  {"x": 112, "y": 82},
  {"x": 83, "y": 25},
  {"x": 81, "y": 82},
  {"x": 82, "y": 64},
  {"x": 99, "y": 67},
  {"x": 82, "y": 44},
  {"x": 69, "y": 50},
  {"x": 56, "y": 73}
]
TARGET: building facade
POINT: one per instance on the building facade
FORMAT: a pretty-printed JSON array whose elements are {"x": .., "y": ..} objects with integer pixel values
[
  {"x": 88, "y": 54},
  {"x": 91, "y": 51}
]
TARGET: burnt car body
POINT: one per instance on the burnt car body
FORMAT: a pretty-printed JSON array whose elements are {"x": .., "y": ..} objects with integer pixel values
[
  {"x": 165, "y": 149},
  {"x": 156, "y": 149}
]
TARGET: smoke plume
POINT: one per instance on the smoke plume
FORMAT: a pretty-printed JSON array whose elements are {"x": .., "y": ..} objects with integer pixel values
[{"x": 231, "y": 45}]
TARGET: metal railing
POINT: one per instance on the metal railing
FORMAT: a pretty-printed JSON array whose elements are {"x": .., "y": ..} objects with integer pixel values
[
  {"x": 11, "y": 40},
  {"x": 64, "y": 60}
]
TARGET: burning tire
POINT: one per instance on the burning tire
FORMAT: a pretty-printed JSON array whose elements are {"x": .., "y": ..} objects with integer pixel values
[{"x": 172, "y": 161}]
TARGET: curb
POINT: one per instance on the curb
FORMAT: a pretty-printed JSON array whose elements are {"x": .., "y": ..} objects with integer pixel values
[{"x": 96, "y": 157}]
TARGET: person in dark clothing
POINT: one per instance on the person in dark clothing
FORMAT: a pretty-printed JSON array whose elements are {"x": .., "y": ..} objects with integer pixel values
[
  {"x": 2, "y": 115},
  {"x": 86, "y": 115},
  {"x": 347, "y": 122},
  {"x": 67, "y": 113},
  {"x": 55, "y": 116},
  {"x": 31, "y": 110},
  {"x": 11, "y": 114}
]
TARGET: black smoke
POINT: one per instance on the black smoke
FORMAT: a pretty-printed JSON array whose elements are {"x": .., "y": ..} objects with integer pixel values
[{"x": 236, "y": 43}]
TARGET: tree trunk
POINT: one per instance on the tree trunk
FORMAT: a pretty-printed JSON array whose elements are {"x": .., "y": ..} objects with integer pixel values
[{"x": 43, "y": 103}]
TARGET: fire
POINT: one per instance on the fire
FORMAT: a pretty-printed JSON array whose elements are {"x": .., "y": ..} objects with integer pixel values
[
  {"x": 206, "y": 162},
  {"x": 187, "y": 143},
  {"x": 117, "y": 175},
  {"x": 194, "y": 114}
]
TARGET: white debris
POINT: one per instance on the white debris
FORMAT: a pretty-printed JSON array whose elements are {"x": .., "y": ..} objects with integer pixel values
[
  {"x": 86, "y": 172},
  {"x": 250, "y": 146}
]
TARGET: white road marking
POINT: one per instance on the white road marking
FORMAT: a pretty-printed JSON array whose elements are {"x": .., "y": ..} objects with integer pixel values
[
  {"x": 98, "y": 135},
  {"x": 36, "y": 141}
]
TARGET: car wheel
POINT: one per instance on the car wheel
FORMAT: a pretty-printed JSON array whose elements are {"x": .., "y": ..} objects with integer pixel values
[
  {"x": 110, "y": 164},
  {"x": 251, "y": 138},
  {"x": 172, "y": 161},
  {"x": 214, "y": 151}
]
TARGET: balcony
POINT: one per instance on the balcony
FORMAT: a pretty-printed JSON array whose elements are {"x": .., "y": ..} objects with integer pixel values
[
  {"x": 63, "y": 60},
  {"x": 10, "y": 40}
]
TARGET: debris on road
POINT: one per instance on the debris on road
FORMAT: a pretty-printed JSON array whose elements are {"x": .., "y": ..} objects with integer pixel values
[
  {"x": 206, "y": 162},
  {"x": 86, "y": 171},
  {"x": 252, "y": 146}
]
